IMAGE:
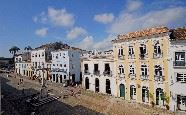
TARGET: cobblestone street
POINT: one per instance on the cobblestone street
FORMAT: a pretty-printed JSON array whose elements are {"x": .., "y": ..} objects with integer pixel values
[{"x": 83, "y": 103}]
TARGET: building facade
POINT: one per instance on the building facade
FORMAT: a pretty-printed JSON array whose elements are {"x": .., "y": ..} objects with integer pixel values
[
  {"x": 40, "y": 59},
  {"x": 178, "y": 69},
  {"x": 141, "y": 61},
  {"x": 98, "y": 72},
  {"x": 65, "y": 66}
]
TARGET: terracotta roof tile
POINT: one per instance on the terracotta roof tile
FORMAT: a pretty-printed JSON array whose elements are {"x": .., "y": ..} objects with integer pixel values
[
  {"x": 178, "y": 34},
  {"x": 142, "y": 33}
]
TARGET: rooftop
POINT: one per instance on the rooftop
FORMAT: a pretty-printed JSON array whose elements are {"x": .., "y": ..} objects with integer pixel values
[
  {"x": 178, "y": 34},
  {"x": 142, "y": 33}
]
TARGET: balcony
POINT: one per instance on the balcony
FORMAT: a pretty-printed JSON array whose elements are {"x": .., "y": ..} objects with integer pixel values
[
  {"x": 179, "y": 64},
  {"x": 97, "y": 73},
  {"x": 144, "y": 77},
  {"x": 132, "y": 76},
  {"x": 86, "y": 72},
  {"x": 131, "y": 56},
  {"x": 121, "y": 75},
  {"x": 159, "y": 78},
  {"x": 107, "y": 73},
  {"x": 142, "y": 56},
  {"x": 157, "y": 55},
  {"x": 121, "y": 57}
]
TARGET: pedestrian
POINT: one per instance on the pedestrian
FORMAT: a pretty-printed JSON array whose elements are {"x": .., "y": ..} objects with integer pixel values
[{"x": 18, "y": 84}]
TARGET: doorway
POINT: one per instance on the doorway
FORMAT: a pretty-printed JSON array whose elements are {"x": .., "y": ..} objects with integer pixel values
[
  {"x": 97, "y": 85},
  {"x": 122, "y": 90},
  {"x": 108, "y": 89},
  {"x": 159, "y": 97},
  {"x": 86, "y": 83}
]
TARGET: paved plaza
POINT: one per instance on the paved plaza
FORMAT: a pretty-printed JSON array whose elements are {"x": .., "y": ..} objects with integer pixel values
[{"x": 73, "y": 101}]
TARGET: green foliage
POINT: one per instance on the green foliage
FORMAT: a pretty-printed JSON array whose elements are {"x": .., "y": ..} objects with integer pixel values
[{"x": 151, "y": 96}]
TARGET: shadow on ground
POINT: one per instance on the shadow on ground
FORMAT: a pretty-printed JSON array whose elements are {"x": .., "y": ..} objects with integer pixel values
[{"x": 14, "y": 103}]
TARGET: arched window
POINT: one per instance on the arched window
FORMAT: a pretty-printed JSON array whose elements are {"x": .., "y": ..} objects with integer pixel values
[{"x": 121, "y": 69}]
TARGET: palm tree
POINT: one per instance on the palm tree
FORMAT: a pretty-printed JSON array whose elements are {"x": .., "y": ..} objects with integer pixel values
[
  {"x": 13, "y": 51},
  {"x": 28, "y": 48}
]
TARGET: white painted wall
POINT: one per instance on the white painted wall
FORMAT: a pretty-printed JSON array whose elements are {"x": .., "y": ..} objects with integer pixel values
[
  {"x": 70, "y": 58},
  {"x": 102, "y": 79},
  {"x": 176, "y": 88}
]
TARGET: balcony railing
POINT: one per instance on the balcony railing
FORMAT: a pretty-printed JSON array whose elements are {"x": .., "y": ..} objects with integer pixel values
[
  {"x": 179, "y": 64},
  {"x": 157, "y": 55},
  {"x": 121, "y": 57},
  {"x": 107, "y": 73},
  {"x": 142, "y": 56},
  {"x": 159, "y": 78},
  {"x": 97, "y": 73},
  {"x": 132, "y": 76},
  {"x": 121, "y": 75},
  {"x": 86, "y": 72},
  {"x": 131, "y": 56},
  {"x": 144, "y": 77}
]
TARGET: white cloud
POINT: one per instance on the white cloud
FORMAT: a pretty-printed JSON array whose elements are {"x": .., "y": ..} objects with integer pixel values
[
  {"x": 41, "y": 32},
  {"x": 127, "y": 22},
  {"x": 105, "y": 44},
  {"x": 133, "y": 5},
  {"x": 60, "y": 17},
  {"x": 76, "y": 32},
  {"x": 57, "y": 17},
  {"x": 87, "y": 43},
  {"x": 104, "y": 18}
]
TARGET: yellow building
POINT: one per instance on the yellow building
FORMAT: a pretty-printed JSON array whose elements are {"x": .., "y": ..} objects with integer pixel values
[{"x": 142, "y": 60}]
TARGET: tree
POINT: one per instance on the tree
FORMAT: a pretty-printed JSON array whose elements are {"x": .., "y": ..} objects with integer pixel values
[
  {"x": 28, "y": 48},
  {"x": 13, "y": 51}
]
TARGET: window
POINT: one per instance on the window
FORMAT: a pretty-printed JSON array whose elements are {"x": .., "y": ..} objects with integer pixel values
[
  {"x": 57, "y": 56},
  {"x": 181, "y": 77},
  {"x": 143, "y": 49},
  {"x": 72, "y": 55},
  {"x": 73, "y": 66},
  {"x": 157, "y": 49},
  {"x": 121, "y": 69},
  {"x": 179, "y": 58},
  {"x": 32, "y": 55},
  {"x": 158, "y": 70},
  {"x": 120, "y": 53},
  {"x": 132, "y": 92},
  {"x": 36, "y": 55},
  {"x": 95, "y": 67},
  {"x": 64, "y": 76},
  {"x": 43, "y": 54},
  {"x": 64, "y": 65},
  {"x": 131, "y": 70},
  {"x": 53, "y": 64},
  {"x": 60, "y": 54},
  {"x": 143, "y": 70},
  {"x": 60, "y": 65},
  {"x": 39, "y": 55},
  {"x": 86, "y": 66},
  {"x": 131, "y": 50},
  {"x": 107, "y": 67}
]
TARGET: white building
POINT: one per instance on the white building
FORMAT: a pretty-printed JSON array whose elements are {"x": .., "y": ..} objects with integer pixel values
[
  {"x": 178, "y": 69},
  {"x": 18, "y": 64},
  {"x": 40, "y": 59},
  {"x": 97, "y": 72},
  {"x": 65, "y": 66}
]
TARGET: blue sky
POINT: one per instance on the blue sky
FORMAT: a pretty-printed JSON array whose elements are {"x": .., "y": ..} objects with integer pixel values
[{"x": 82, "y": 23}]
